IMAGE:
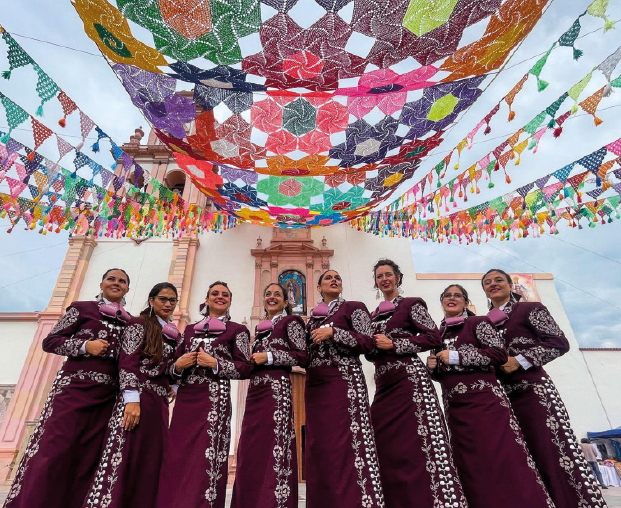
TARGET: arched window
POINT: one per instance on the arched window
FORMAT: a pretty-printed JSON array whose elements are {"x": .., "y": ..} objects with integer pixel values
[
  {"x": 175, "y": 181},
  {"x": 295, "y": 290}
]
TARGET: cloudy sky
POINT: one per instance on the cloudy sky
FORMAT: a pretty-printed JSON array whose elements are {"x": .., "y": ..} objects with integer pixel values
[{"x": 586, "y": 263}]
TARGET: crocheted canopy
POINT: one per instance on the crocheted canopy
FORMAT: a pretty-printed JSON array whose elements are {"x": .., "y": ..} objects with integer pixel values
[{"x": 305, "y": 112}]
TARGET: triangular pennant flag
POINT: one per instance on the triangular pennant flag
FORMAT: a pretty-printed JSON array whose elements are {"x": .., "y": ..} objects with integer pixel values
[
  {"x": 106, "y": 177},
  {"x": 16, "y": 187},
  {"x": 593, "y": 161},
  {"x": 569, "y": 38},
  {"x": 553, "y": 108},
  {"x": 16, "y": 56},
  {"x": 575, "y": 91},
  {"x": 538, "y": 67},
  {"x": 615, "y": 147},
  {"x": 563, "y": 173},
  {"x": 14, "y": 115},
  {"x": 63, "y": 147},
  {"x": 86, "y": 125},
  {"x": 510, "y": 97},
  {"x": 590, "y": 104},
  {"x": 46, "y": 88},
  {"x": 598, "y": 9},
  {"x": 68, "y": 107},
  {"x": 40, "y": 132}
]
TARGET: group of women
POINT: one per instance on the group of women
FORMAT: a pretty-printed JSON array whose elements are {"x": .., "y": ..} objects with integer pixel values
[{"x": 104, "y": 440}]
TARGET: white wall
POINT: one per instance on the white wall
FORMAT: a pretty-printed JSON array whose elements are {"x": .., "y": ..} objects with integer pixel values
[
  {"x": 604, "y": 367},
  {"x": 15, "y": 340},
  {"x": 147, "y": 264}
]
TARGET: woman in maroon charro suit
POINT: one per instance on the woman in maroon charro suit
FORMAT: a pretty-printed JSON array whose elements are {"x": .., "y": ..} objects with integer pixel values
[
  {"x": 493, "y": 462},
  {"x": 532, "y": 339},
  {"x": 341, "y": 459},
  {"x": 195, "y": 468},
  {"x": 138, "y": 429},
  {"x": 267, "y": 469},
  {"x": 415, "y": 459},
  {"x": 61, "y": 457}
]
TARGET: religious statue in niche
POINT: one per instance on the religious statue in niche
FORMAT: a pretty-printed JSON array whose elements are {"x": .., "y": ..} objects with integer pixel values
[
  {"x": 295, "y": 290},
  {"x": 524, "y": 285}
]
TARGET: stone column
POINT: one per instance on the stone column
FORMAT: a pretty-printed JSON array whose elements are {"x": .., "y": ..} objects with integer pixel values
[
  {"x": 181, "y": 274},
  {"x": 40, "y": 368}
]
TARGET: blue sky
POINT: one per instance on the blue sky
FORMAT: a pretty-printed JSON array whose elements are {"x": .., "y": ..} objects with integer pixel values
[{"x": 586, "y": 263}]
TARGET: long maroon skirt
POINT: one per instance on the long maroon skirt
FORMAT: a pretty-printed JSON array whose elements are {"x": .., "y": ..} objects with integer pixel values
[
  {"x": 63, "y": 452},
  {"x": 132, "y": 459},
  {"x": 195, "y": 468},
  {"x": 415, "y": 458},
  {"x": 545, "y": 424},
  {"x": 267, "y": 467},
  {"x": 341, "y": 459},
  {"x": 490, "y": 453}
]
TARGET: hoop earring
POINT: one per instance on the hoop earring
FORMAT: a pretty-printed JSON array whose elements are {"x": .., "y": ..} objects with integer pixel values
[
  {"x": 465, "y": 312},
  {"x": 377, "y": 294},
  {"x": 151, "y": 311},
  {"x": 123, "y": 301},
  {"x": 400, "y": 290},
  {"x": 321, "y": 294},
  {"x": 99, "y": 297}
]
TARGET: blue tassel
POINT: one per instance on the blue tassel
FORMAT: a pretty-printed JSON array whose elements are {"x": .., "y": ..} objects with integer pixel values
[
  {"x": 96, "y": 146},
  {"x": 39, "y": 111},
  {"x": 6, "y": 74}
]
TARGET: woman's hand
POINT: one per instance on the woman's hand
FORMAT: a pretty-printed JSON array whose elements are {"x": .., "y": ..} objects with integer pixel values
[
  {"x": 443, "y": 356},
  {"x": 383, "y": 342},
  {"x": 172, "y": 395},
  {"x": 511, "y": 366},
  {"x": 432, "y": 361},
  {"x": 97, "y": 347},
  {"x": 131, "y": 417},
  {"x": 259, "y": 358},
  {"x": 185, "y": 361},
  {"x": 205, "y": 359},
  {"x": 321, "y": 334}
]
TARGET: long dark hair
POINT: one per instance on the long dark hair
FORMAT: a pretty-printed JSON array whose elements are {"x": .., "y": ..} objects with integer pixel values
[
  {"x": 288, "y": 308},
  {"x": 324, "y": 273},
  {"x": 505, "y": 274},
  {"x": 393, "y": 265},
  {"x": 153, "y": 341},
  {"x": 513, "y": 296},
  {"x": 112, "y": 270}
]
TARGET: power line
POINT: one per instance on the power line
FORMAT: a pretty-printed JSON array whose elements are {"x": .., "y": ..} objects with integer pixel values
[
  {"x": 32, "y": 250},
  {"x": 31, "y": 277},
  {"x": 556, "y": 277},
  {"x": 585, "y": 249},
  {"x": 57, "y": 45}
]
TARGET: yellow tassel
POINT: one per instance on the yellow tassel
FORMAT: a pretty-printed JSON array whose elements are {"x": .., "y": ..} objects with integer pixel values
[{"x": 597, "y": 121}]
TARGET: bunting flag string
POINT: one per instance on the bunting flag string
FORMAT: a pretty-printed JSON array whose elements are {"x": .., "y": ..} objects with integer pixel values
[
  {"x": 302, "y": 117},
  {"x": 47, "y": 88},
  {"x": 511, "y": 147},
  {"x": 90, "y": 208},
  {"x": 526, "y": 210}
]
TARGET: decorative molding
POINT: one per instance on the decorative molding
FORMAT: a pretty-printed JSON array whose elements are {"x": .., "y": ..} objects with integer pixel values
[{"x": 19, "y": 317}]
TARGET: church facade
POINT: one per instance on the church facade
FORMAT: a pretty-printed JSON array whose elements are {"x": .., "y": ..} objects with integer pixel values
[{"x": 249, "y": 257}]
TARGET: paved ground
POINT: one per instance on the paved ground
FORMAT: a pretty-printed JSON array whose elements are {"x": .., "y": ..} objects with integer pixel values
[{"x": 612, "y": 495}]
